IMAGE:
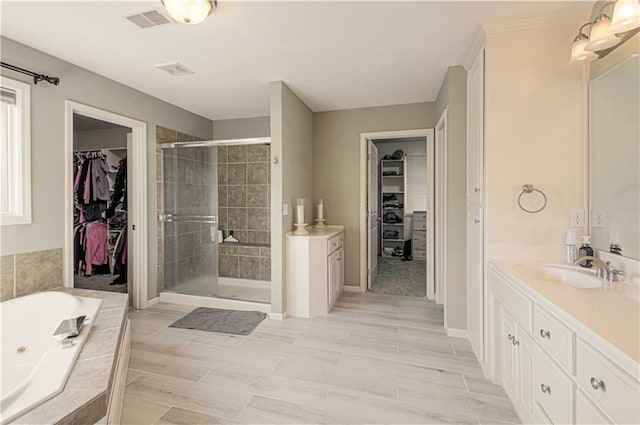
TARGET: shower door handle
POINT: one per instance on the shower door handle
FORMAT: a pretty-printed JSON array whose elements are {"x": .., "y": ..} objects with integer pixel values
[{"x": 168, "y": 218}]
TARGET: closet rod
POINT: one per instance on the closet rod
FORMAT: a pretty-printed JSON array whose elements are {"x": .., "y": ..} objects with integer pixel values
[{"x": 36, "y": 77}]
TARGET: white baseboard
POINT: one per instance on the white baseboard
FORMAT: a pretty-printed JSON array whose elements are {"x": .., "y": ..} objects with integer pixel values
[
  {"x": 169, "y": 297},
  {"x": 457, "y": 333},
  {"x": 279, "y": 316},
  {"x": 153, "y": 301},
  {"x": 351, "y": 288}
]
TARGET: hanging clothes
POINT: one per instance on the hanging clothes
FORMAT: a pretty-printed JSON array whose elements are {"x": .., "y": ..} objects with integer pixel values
[{"x": 99, "y": 181}]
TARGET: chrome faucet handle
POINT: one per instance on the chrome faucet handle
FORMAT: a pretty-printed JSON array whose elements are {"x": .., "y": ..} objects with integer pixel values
[{"x": 616, "y": 275}]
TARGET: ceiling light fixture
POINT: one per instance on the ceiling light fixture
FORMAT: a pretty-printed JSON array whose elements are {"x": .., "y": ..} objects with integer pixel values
[
  {"x": 190, "y": 11},
  {"x": 626, "y": 16},
  {"x": 578, "y": 52}
]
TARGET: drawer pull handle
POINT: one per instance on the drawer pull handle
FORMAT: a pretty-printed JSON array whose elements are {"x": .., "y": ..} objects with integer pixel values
[
  {"x": 545, "y": 389},
  {"x": 545, "y": 334},
  {"x": 597, "y": 384}
]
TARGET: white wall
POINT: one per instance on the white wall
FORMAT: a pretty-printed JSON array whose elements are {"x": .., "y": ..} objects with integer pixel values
[
  {"x": 291, "y": 141},
  {"x": 47, "y": 142},
  {"x": 535, "y": 133},
  {"x": 336, "y": 166},
  {"x": 453, "y": 97}
]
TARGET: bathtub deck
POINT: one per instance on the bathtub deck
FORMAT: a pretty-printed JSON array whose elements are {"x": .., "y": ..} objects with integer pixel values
[{"x": 374, "y": 359}]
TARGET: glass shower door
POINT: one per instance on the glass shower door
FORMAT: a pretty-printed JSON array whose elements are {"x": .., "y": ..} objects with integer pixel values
[{"x": 189, "y": 220}]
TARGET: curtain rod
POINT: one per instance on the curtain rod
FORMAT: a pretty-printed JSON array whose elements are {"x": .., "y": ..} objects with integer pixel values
[{"x": 36, "y": 77}]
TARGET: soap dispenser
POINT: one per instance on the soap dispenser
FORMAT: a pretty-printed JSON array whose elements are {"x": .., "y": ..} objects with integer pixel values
[{"x": 586, "y": 250}]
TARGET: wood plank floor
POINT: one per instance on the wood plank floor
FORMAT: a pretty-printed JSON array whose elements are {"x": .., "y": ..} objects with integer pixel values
[{"x": 375, "y": 359}]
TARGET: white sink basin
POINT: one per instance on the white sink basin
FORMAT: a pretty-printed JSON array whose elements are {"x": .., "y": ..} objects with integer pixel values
[{"x": 568, "y": 275}]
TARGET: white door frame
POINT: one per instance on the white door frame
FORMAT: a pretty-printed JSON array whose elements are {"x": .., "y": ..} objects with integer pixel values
[
  {"x": 137, "y": 181},
  {"x": 364, "y": 140},
  {"x": 441, "y": 210}
]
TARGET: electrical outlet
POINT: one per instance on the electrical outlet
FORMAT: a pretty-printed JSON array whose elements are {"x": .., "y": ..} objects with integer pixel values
[
  {"x": 577, "y": 217},
  {"x": 285, "y": 209},
  {"x": 598, "y": 218}
]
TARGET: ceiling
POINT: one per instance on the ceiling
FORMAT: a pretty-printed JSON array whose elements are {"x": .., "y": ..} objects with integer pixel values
[
  {"x": 84, "y": 123},
  {"x": 334, "y": 55}
]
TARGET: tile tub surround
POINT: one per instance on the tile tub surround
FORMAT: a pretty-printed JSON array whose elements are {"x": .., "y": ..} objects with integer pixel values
[
  {"x": 24, "y": 274},
  {"x": 374, "y": 359},
  {"x": 244, "y": 192},
  {"x": 85, "y": 395},
  {"x": 245, "y": 261}
]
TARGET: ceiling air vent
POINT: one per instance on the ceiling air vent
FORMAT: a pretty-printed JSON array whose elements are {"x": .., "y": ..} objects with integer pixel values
[
  {"x": 175, "y": 69},
  {"x": 149, "y": 19}
]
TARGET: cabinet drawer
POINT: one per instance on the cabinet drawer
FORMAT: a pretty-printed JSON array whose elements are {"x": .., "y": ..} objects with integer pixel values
[
  {"x": 552, "y": 389},
  {"x": 587, "y": 412},
  {"x": 554, "y": 336},
  {"x": 519, "y": 305},
  {"x": 335, "y": 242},
  {"x": 617, "y": 394},
  {"x": 419, "y": 235},
  {"x": 419, "y": 254}
]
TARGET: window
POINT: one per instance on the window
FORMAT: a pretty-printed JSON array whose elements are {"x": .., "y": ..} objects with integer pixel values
[
  {"x": 15, "y": 147},
  {"x": 417, "y": 182}
]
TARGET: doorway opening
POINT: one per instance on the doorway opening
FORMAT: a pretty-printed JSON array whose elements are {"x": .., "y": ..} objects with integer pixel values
[
  {"x": 113, "y": 202},
  {"x": 399, "y": 214},
  {"x": 100, "y": 214}
]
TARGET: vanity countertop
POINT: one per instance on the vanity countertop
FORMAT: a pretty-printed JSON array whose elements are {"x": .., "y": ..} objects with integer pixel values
[
  {"x": 319, "y": 232},
  {"x": 611, "y": 312}
]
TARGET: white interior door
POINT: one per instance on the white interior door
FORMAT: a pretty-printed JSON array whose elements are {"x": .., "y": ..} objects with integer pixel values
[{"x": 372, "y": 212}]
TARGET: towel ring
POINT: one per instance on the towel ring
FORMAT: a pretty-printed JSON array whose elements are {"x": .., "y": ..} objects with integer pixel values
[{"x": 528, "y": 188}]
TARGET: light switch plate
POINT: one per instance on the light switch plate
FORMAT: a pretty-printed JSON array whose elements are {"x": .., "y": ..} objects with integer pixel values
[
  {"x": 598, "y": 218},
  {"x": 285, "y": 209},
  {"x": 577, "y": 217}
]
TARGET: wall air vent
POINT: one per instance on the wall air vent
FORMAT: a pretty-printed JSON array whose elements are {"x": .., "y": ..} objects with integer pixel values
[
  {"x": 175, "y": 69},
  {"x": 149, "y": 19}
]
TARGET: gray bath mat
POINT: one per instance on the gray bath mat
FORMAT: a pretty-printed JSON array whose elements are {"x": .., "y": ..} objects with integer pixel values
[{"x": 234, "y": 322}]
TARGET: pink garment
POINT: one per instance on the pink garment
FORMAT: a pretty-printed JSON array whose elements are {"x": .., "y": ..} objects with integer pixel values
[
  {"x": 96, "y": 247},
  {"x": 77, "y": 179},
  {"x": 123, "y": 257}
]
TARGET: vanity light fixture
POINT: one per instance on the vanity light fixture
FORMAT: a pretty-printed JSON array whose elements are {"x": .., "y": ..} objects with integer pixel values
[
  {"x": 601, "y": 36},
  {"x": 190, "y": 11},
  {"x": 578, "y": 52},
  {"x": 626, "y": 16}
]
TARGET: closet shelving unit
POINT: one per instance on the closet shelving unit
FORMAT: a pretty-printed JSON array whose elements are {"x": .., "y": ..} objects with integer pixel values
[{"x": 392, "y": 184}]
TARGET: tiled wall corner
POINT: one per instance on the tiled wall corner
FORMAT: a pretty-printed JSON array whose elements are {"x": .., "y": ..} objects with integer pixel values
[{"x": 25, "y": 274}]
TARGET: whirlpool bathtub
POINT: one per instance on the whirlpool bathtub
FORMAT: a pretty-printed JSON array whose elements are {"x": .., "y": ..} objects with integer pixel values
[{"x": 35, "y": 365}]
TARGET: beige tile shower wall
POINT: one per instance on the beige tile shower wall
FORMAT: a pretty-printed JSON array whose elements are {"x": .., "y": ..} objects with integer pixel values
[
  {"x": 245, "y": 262},
  {"x": 244, "y": 192},
  {"x": 24, "y": 274}
]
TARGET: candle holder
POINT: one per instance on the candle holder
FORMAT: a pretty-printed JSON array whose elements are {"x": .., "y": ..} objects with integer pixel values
[
  {"x": 299, "y": 221},
  {"x": 320, "y": 214},
  {"x": 300, "y": 229},
  {"x": 320, "y": 222}
]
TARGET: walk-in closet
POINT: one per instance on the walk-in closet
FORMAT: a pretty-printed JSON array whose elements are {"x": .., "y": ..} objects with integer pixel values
[
  {"x": 402, "y": 213},
  {"x": 100, "y": 216}
]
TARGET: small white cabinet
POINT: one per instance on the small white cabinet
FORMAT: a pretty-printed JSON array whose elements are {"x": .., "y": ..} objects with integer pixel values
[{"x": 314, "y": 270}]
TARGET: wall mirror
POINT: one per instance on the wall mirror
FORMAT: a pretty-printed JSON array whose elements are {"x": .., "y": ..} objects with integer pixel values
[{"x": 614, "y": 157}]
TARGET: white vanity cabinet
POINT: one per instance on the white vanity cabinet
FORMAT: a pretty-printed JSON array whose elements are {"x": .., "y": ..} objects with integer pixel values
[
  {"x": 314, "y": 270},
  {"x": 552, "y": 369}
]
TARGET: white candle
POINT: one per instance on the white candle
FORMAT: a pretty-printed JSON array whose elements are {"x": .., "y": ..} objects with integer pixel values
[
  {"x": 300, "y": 214},
  {"x": 320, "y": 210}
]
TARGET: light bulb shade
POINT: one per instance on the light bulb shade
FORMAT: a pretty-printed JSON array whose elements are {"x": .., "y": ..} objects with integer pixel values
[
  {"x": 578, "y": 53},
  {"x": 189, "y": 11},
  {"x": 626, "y": 16},
  {"x": 601, "y": 36}
]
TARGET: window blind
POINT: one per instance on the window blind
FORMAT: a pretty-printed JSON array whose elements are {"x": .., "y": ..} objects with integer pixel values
[{"x": 416, "y": 195}]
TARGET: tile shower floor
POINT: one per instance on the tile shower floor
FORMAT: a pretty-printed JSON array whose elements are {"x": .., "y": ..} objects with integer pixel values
[
  {"x": 375, "y": 359},
  {"x": 236, "y": 289}
]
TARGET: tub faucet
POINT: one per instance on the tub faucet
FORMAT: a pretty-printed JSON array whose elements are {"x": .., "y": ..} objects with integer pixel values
[{"x": 602, "y": 269}]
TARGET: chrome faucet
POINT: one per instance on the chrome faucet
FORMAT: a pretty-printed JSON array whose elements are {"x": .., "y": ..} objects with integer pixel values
[{"x": 602, "y": 269}]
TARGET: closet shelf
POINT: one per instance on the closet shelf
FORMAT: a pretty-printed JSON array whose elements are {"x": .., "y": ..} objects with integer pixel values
[
  {"x": 392, "y": 175},
  {"x": 392, "y": 224},
  {"x": 392, "y": 240},
  {"x": 396, "y": 192}
]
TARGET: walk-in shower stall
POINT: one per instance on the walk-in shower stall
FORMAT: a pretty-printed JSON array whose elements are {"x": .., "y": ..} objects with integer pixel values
[{"x": 214, "y": 228}]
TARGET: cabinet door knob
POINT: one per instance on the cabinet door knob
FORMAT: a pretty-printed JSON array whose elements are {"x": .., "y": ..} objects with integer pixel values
[
  {"x": 597, "y": 384},
  {"x": 545, "y": 389},
  {"x": 476, "y": 190},
  {"x": 475, "y": 220},
  {"x": 515, "y": 342},
  {"x": 510, "y": 337},
  {"x": 545, "y": 333}
]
